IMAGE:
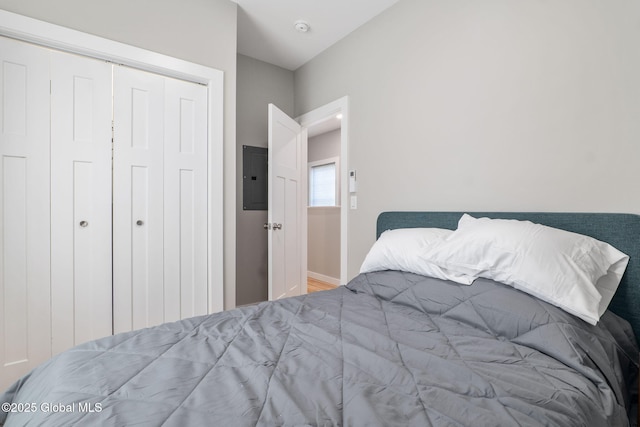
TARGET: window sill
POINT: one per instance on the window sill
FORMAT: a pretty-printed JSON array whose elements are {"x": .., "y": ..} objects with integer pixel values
[{"x": 323, "y": 207}]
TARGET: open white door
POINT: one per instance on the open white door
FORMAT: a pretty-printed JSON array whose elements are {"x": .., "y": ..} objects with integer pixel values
[{"x": 287, "y": 218}]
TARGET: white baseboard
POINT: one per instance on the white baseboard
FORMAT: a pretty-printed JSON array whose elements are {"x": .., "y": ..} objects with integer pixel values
[{"x": 323, "y": 278}]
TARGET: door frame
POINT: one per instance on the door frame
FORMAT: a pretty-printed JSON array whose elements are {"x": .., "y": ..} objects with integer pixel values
[
  {"x": 72, "y": 41},
  {"x": 315, "y": 116}
]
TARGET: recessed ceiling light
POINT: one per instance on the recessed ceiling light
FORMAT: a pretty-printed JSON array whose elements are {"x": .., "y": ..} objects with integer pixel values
[{"x": 301, "y": 26}]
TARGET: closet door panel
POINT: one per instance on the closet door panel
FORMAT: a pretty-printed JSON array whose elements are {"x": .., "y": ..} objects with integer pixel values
[
  {"x": 81, "y": 199},
  {"x": 25, "y": 333},
  {"x": 138, "y": 219},
  {"x": 147, "y": 286},
  {"x": 185, "y": 201},
  {"x": 16, "y": 303}
]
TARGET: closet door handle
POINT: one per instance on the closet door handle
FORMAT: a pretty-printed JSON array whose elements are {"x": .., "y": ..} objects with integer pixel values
[
  {"x": 84, "y": 224},
  {"x": 139, "y": 222}
]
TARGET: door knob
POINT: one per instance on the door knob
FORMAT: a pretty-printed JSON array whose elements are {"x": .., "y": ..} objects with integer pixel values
[
  {"x": 84, "y": 224},
  {"x": 139, "y": 222},
  {"x": 267, "y": 226},
  {"x": 277, "y": 226}
]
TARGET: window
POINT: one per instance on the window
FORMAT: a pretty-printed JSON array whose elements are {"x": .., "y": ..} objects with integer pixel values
[{"x": 324, "y": 183}]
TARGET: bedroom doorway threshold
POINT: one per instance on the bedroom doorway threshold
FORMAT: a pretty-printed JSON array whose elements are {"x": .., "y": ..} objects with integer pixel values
[
  {"x": 315, "y": 117},
  {"x": 315, "y": 285}
]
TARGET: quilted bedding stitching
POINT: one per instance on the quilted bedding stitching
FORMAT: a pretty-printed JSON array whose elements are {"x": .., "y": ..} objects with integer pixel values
[
  {"x": 559, "y": 319},
  {"x": 452, "y": 345},
  {"x": 277, "y": 361},
  {"x": 413, "y": 378},
  {"x": 240, "y": 330},
  {"x": 369, "y": 343}
]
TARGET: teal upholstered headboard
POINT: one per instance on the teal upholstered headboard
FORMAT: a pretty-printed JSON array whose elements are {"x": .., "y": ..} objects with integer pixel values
[{"x": 619, "y": 230}]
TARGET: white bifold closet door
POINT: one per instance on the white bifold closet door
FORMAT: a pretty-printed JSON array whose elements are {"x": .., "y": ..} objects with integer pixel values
[
  {"x": 160, "y": 199},
  {"x": 103, "y": 202},
  {"x": 25, "y": 313},
  {"x": 185, "y": 200},
  {"x": 81, "y": 200}
]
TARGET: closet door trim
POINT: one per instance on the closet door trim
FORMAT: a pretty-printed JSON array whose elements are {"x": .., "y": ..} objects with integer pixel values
[{"x": 68, "y": 40}]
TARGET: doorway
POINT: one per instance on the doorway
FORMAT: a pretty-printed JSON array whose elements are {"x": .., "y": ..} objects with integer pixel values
[{"x": 328, "y": 194}]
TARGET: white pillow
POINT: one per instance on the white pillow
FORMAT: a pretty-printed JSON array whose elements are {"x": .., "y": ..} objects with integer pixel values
[
  {"x": 401, "y": 249},
  {"x": 574, "y": 272}
]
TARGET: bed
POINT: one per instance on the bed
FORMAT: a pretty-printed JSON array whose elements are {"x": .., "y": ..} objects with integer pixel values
[{"x": 390, "y": 348}]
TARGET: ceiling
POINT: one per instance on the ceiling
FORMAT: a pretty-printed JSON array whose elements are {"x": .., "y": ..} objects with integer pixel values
[
  {"x": 327, "y": 125},
  {"x": 266, "y": 28}
]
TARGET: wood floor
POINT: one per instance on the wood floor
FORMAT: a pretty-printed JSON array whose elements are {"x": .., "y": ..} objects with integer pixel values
[{"x": 315, "y": 285}]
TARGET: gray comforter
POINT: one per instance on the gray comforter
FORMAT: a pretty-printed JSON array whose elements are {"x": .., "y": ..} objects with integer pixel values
[{"x": 390, "y": 348}]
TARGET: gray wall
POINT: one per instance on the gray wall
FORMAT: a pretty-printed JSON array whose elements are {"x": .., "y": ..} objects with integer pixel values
[
  {"x": 259, "y": 84},
  {"x": 492, "y": 105},
  {"x": 323, "y": 245},
  {"x": 200, "y": 31},
  {"x": 323, "y": 235},
  {"x": 324, "y": 146}
]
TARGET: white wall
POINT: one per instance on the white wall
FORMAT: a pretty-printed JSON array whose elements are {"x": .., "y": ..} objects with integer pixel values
[
  {"x": 200, "y": 31},
  {"x": 492, "y": 105},
  {"x": 259, "y": 84}
]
